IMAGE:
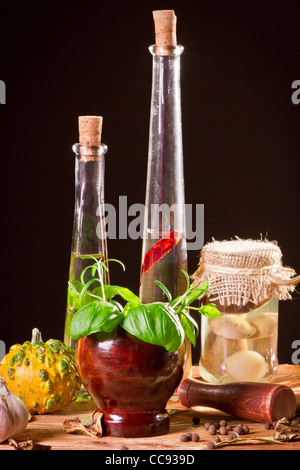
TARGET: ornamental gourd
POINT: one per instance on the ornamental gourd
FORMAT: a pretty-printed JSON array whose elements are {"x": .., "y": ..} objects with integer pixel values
[{"x": 43, "y": 375}]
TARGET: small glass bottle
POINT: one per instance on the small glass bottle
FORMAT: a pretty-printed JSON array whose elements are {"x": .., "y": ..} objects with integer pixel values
[
  {"x": 89, "y": 237},
  {"x": 164, "y": 252}
]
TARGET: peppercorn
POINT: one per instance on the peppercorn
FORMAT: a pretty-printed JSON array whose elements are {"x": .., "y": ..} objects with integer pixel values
[
  {"x": 245, "y": 429},
  {"x": 212, "y": 429},
  {"x": 211, "y": 444},
  {"x": 124, "y": 448},
  {"x": 295, "y": 422},
  {"x": 232, "y": 435},
  {"x": 268, "y": 426},
  {"x": 185, "y": 437},
  {"x": 223, "y": 431},
  {"x": 238, "y": 429},
  {"x": 195, "y": 437},
  {"x": 229, "y": 427},
  {"x": 196, "y": 419},
  {"x": 217, "y": 438},
  {"x": 223, "y": 423},
  {"x": 207, "y": 424}
]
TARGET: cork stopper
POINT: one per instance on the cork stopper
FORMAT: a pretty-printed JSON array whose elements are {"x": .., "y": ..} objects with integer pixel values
[
  {"x": 165, "y": 28},
  {"x": 90, "y": 130}
]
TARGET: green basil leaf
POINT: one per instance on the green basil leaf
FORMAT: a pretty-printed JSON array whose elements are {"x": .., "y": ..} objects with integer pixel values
[
  {"x": 95, "y": 317},
  {"x": 75, "y": 297},
  {"x": 126, "y": 294},
  {"x": 209, "y": 310},
  {"x": 75, "y": 287},
  {"x": 190, "y": 327},
  {"x": 155, "y": 323},
  {"x": 128, "y": 306}
]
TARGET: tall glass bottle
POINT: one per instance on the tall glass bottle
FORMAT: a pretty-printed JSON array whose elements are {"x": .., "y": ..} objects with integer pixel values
[
  {"x": 89, "y": 236},
  {"x": 164, "y": 252}
]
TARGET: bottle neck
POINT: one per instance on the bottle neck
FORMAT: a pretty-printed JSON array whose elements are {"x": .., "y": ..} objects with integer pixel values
[
  {"x": 88, "y": 227},
  {"x": 165, "y": 179}
]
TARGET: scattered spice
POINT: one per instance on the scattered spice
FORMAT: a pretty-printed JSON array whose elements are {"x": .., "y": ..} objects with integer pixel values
[
  {"x": 185, "y": 438},
  {"x": 223, "y": 423},
  {"x": 212, "y": 429},
  {"x": 223, "y": 431},
  {"x": 285, "y": 431},
  {"x": 93, "y": 430},
  {"x": 238, "y": 429},
  {"x": 124, "y": 448},
  {"x": 211, "y": 444},
  {"x": 188, "y": 436},
  {"x": 232, "y": 435},
  {"x": 223, "y": 428},
  {"x": 196, "y": 420},
  {"x": 269, "y": 426},
  {"x": 245, "y": 429},
  {"x": 29, "y": 444}
]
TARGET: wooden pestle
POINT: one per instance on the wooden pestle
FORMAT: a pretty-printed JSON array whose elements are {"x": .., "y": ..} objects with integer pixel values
[{"x": 260, "y": 402}]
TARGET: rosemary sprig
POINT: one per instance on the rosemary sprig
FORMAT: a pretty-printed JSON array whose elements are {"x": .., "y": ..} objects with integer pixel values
[{"x": 249, "y": 439}]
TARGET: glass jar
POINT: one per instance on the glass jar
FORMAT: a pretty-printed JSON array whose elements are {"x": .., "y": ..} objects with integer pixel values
[
  {"x": 246, "y": 280},
  {"x": 240, "y": 346}
]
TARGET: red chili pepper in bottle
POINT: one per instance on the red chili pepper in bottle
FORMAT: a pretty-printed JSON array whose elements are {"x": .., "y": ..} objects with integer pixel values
[{"x": 159, "y": 250}]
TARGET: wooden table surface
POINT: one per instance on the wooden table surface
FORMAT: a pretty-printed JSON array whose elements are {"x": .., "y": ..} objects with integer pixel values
[{"x": 47, "y": 429}]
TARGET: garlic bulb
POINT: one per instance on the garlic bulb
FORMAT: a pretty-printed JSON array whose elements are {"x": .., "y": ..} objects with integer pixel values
[{"x": 14, "y": 416}]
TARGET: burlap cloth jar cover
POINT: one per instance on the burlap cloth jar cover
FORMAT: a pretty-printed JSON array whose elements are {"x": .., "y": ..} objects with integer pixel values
[
  {"x": 244, "y": 274},
  {"x": 245, "y": 277}
]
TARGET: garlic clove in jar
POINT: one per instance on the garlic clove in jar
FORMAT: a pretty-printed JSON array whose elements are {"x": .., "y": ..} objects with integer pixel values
[
  {"x": 231, "y": 326},
  {"x": 14, "y": 415},
  {"x": 246, "y": 366},
  {"x": 265, "y": 323},
  {"x": 216, "y": 350}
]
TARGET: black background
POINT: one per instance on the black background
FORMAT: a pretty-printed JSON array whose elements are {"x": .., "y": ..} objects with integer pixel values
[{"x": 241, "y": 135}]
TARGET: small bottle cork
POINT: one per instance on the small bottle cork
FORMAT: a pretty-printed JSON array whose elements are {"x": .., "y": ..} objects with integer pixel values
[
  {"x": 165, "y": 28},
  {"x": 90, "y": 130}
]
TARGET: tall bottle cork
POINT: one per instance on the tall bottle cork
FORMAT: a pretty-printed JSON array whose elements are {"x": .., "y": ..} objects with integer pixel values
[
  {"x": 165, "y": 28},
  {"x": 90, "y": 130}
]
